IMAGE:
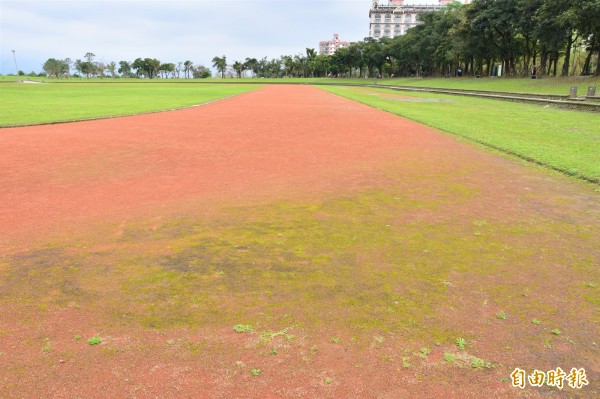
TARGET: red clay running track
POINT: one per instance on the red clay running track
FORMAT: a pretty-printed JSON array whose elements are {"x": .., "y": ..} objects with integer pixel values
[
  {"x": 276, "y": 143},
  {"x": 273, "y": 140}
]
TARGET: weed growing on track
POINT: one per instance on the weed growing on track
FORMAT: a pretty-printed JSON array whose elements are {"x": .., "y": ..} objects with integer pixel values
[
  {"x": 243, "y": 328},
  {"x": 449, "y": 357}
]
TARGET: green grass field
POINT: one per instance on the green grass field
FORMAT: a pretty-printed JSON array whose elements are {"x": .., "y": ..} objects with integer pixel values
[
  {"x": 547, "y": 85},
  {"x": 39, "y": 103},
  {"x": 562, "y": 139}
]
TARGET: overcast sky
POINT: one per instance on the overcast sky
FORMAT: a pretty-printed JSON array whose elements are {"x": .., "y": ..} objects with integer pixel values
[{"x": 173, "y": 30}]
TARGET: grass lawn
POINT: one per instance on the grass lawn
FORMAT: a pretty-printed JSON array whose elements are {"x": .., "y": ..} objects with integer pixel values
[
  {"x": 547, "y": 85},
  {"x": 562, "y": 139},
  {"x": 38, "y": 103}
]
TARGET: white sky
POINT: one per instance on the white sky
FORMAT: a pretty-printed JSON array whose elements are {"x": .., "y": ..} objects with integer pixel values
[{"x": 173, "y": 30}]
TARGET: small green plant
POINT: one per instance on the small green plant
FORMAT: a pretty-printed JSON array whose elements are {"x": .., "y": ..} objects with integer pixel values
[
  {"x": 536, "y": 322},
  {"x": 461, "y": 343},
  {"x": 94, "y": 340},
  {"x": 405, "y": 362},
  {"x": 502, "y": 316},
  {"x": 590, "y": 284},
  {"x": 267, "y": 336},
  {"x": 273, "y": 352},
  {"x": 47, "y": 348},
  {"x": 328, "y": 380},
  {"x": 449, "y": 357},
  {"x": 255, "y": 372},
  {"x": 335, "y": 340},
  {"x": 556, "y": 331},
  {"x": 424, "y": 352},
  {"x": 77, "y": 337},
  {"x": 477, "y": 363},
  {"x": 243, "y": 328}
]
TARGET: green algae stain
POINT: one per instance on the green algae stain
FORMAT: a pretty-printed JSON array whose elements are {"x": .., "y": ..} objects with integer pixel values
[
  {"x": 353, "y": 262},
  {"x": 343, "y": 261},
  {"x": 42, "y": 277}
]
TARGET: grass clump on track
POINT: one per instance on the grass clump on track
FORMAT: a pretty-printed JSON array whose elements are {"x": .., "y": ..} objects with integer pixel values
[
  {"x": 44, "y": 103},
  {"x": 563, "y": 140}
]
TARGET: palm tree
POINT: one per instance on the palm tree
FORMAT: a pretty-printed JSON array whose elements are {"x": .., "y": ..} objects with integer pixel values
[
  {"x": 187, "y": 67},
  {"x": 220, "y": 64},
  {"x": 239, "y": 68},
  {"x": 311, "y": 55}
]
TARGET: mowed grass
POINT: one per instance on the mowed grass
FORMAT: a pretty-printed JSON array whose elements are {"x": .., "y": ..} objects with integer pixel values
[
  {"x": 563, "y": 140},
  {"x": 42, "y": 103},
  {"x": 546, "y": 85}
]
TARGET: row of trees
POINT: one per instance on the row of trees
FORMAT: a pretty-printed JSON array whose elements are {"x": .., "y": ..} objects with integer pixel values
[
  {"x": 514, "y": 34},
  {"x": 480, "y": 38},
  {"x": 149, "y": 68},
  {"x": 557, "y": 36}
]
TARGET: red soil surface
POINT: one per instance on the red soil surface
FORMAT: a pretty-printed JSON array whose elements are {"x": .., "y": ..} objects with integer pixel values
[{"x": 63, "y": 181}]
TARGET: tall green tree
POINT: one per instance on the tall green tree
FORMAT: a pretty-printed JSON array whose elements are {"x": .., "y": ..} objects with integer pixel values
[
  {"x": 239, "y": 68},
  {"x": 252, "y": 65},
  {"x": 55, "y": 68},
  {"x": 124, "y": 69},
  {"x": 187, "y": 67},
  {"x": 220, "y": 64}
]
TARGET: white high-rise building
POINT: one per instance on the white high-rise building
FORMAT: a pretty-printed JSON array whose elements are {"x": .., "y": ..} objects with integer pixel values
[
  {"x": 395, "y": 18},
  {"x": 329, "y": 47}
]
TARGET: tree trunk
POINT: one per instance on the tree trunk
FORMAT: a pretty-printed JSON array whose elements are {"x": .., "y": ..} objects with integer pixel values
[
  {"x": 585, "y": 70},
  {"x": 567, "y": 63},
  {"x": 543, "y": 62}
]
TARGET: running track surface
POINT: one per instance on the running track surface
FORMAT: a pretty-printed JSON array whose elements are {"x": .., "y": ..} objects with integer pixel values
[{"x": 276, "y": 143}]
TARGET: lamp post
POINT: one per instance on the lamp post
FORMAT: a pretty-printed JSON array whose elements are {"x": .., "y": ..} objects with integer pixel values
[{"x": 15, "y": 57}]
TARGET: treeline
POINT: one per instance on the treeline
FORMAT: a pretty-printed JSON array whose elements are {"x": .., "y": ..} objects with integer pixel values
[
  {"x": 483, "y": 38},
  {"x": 558, "y": 37},
  {"x": 149, "y": 68}
]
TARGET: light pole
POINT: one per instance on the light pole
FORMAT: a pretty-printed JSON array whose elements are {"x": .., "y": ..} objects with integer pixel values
[{"x": 15, "y": 57}]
